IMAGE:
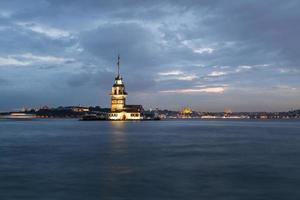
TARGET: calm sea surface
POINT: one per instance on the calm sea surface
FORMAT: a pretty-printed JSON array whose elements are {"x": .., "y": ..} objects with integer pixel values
[{"x": 188, "y": 159}]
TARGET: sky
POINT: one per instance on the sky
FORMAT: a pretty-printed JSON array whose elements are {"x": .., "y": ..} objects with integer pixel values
[{"x": 208, "y": 55}]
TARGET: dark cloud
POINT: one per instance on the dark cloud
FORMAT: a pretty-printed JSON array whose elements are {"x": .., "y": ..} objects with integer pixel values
[
  {"x": 79, "y": 80},
  {"x": 136, "y": 44}
]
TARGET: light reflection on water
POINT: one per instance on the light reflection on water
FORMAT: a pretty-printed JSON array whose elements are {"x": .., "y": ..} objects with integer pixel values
[
  {"x": 118, "y": 137},
  {"x": 118, "y": 165},
  {"x": 119, "y": 149}
]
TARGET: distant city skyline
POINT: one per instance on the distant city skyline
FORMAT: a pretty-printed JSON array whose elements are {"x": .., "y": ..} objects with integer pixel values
[{"x": 207, "y": 55}]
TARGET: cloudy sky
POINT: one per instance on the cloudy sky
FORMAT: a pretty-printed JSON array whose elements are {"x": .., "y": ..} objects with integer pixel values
[{"x": 208, "y": 55}]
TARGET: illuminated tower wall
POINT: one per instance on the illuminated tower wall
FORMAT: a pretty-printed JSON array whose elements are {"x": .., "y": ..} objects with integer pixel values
[{"x": 118, "y": 95}]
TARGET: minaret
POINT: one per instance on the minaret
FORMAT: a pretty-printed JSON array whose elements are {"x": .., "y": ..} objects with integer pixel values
[{"x": 118, "y": 94}]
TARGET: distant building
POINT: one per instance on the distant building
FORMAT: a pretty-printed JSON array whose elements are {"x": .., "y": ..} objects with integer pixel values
[
  {"x": 45, "y": 108},
  {"x": 76, "y": 109},
  {"x": 263, "y": 117},
  {"x": 119, "y": 109},
  {"x": 227, "y": 112},
  {"x": 186, "y": 112},
  {"x": 80, "y": 109}
]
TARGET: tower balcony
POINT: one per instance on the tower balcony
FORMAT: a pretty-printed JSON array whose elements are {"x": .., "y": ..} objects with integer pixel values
[{"x": 118, "y": 96}]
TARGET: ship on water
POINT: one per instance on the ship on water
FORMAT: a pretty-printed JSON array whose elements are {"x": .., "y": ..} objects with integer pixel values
[{"x": 18, "y": 116}]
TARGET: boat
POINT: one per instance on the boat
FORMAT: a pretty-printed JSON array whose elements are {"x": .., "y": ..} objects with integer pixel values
[{"x": 18, "y": 116}]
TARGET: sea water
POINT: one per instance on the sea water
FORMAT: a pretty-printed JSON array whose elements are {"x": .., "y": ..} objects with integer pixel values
[{"x": 177, "y": 159}]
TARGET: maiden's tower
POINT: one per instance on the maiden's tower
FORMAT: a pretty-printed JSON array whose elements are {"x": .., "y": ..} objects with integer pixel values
[{"x": 119, "y": 109}]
